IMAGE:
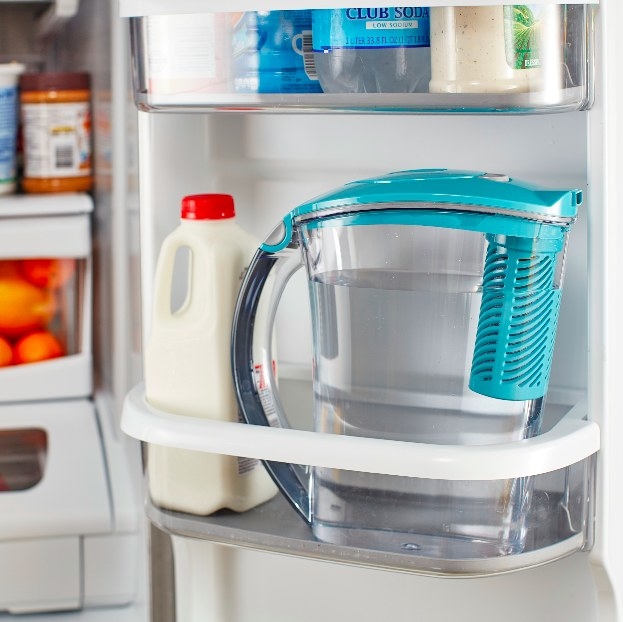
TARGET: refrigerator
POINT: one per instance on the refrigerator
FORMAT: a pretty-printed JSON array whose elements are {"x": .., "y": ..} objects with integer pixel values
[
  {"x": 73, "y": 534},
  {"x": 272, "y": 152}
]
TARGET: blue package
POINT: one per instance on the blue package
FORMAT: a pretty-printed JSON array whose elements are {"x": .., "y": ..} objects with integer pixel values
[
  {"x": 8, "y": 133},
  {"x": 272, "y": 52}
]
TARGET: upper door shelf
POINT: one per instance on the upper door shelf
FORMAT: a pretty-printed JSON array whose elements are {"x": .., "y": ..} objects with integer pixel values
[
  {"x": 474, "y": 59},
  {"x": 59, "y": 12},
  {"x": 135, "y": 8},
  {"x": 51, "y": 14}
]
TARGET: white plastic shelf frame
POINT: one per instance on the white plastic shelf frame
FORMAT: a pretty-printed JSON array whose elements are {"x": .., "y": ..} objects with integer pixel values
[
  {"x": 569, "y": 442},
  {"x": 134, "y": 8}
]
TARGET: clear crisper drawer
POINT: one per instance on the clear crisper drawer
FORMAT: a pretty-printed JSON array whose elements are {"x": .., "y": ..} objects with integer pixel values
[
  {"x": 45, "y": 298},
  {"x": 468, "y": 497},
  {"x": 504, "y": 58}
]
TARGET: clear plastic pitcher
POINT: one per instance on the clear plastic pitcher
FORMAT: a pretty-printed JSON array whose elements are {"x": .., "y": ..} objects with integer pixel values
[{"x": 434, "y": 298}]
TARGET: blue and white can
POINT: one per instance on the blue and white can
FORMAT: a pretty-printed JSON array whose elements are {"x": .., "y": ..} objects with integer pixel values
[{"x": 9, "y": 123}]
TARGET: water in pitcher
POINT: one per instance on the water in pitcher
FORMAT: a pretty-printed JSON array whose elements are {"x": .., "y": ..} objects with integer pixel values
[{"x": 392, "y": 360}]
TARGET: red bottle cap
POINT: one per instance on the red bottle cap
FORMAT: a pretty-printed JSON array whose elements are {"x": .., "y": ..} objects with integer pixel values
[{"x": 208, "y": 207}]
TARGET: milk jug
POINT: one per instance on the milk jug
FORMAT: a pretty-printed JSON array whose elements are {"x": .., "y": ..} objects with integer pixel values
[{"x": 187, "y": 360}]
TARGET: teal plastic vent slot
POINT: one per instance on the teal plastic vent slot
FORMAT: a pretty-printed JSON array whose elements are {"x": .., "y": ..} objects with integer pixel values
[{"x": 517, "y": 323}]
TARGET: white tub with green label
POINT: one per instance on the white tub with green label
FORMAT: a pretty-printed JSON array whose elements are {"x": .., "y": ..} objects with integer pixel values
[{"x": 498, "y": 49}]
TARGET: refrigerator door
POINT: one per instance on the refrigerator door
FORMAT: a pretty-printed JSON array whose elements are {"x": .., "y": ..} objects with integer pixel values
[{"x": 272, "y": 162}]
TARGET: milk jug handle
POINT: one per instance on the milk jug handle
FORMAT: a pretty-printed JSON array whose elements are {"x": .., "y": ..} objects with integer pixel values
[
  {"x": 290, "y": 479},
  {"x": 163, "y": 281}
]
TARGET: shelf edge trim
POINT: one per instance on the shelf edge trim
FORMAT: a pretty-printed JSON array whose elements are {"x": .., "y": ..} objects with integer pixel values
[{"x": 571, "y": 440}]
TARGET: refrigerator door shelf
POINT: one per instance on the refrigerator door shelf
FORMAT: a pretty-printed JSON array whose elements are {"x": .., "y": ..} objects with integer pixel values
[
  {"x": 49, "y": 22},
  {"x": 53, "y": 204},
  {"x": 560, "y": 100},
  {"x": 561, "y": 461},
  {"x": 30, "y": 237},
  {"x": 132, "y": 8},
  {"x": 61, "y": 378},
  {"x": 571, "y": 440},
  {"x": 241, "y": 64},
  {"x": 275, "y": 527}
]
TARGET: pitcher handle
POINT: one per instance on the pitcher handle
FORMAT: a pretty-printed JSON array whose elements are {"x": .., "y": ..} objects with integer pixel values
[{"x": 290, "y": 479}]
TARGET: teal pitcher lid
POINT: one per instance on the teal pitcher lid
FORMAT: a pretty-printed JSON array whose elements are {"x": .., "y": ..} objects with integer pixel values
[{"x": 439, "y": 188}]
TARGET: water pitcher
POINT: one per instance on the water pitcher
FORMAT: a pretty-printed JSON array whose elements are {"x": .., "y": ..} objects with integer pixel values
[{"x": 434, "y": 301}]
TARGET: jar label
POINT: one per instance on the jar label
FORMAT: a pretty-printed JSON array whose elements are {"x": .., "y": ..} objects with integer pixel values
[
  {"x": 8, "y": 132},
  {"x": 182, "y": 46},
  {"x": 188, "y": 53},
  {"x": 522, "y": 25},
  {"x": 57, "y": 140},
  {"x": 384, "y": 27}
]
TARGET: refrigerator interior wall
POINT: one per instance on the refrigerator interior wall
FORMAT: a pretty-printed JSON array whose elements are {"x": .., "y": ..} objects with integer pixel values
[{"x": 270, "y": 163}]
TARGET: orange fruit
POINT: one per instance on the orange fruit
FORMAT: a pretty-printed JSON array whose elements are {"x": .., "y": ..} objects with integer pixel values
[
  {"x": 6, "y": 353},
  {"x": 38, "y": 346},
  {"x": 9, "y": 267},
  {"x": 50, "y": 273},
  {"x": 23, "y": 307}
]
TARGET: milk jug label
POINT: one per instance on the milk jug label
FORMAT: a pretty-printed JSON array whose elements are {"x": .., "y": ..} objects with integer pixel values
[
  {"x": 8, "y": 132},
  {"x": 384, "y": 27},
  {"x": 522, "y": 24}
]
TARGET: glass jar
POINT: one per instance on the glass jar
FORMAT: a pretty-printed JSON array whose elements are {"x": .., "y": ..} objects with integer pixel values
[{"x": 56, "y": 120}]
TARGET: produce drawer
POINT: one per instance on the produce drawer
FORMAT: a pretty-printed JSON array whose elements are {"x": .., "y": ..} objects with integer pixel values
[{"x": 45, "y": 297}]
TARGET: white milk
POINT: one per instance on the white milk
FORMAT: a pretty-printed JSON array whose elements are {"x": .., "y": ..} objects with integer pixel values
[
  {"x": 187, "y": 362},
  {"x": 472, "y": 51}
]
